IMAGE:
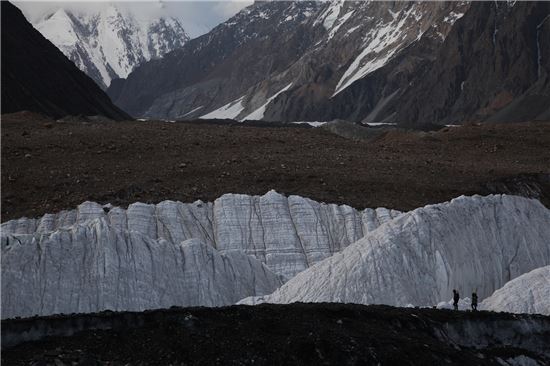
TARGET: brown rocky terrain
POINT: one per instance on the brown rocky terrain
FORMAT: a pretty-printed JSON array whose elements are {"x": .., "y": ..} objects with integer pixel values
[{"x": 48, "y": 166}]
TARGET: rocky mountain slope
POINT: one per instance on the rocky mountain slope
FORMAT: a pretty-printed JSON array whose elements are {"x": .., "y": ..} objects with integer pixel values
[
  {"x": 400, "y": 62},
  {"x": 239, "y": 247},
  {"x": 109, "y": 43},
  {"x": 37, "y": 77}
]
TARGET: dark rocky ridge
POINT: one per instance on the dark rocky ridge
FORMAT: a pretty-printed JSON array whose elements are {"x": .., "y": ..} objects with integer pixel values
[
  {"x": 37, "y": 77},
  {"x": 454, "y": 73},
  {"x": 298, "y": 334}
]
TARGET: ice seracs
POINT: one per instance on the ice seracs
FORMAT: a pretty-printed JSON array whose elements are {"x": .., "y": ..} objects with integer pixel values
[
  {"x": 528, "y": 293},
  {"x": 288, "y": 234},
  {"x": 93, "y": 267},
  {"x": 150, "y": 256},
  {"x": 419, "y": 257},
  {"x": 246, "y": 247}
]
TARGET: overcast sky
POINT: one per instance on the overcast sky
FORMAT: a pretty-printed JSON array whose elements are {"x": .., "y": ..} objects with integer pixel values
[{"x": 197, "y": 17}]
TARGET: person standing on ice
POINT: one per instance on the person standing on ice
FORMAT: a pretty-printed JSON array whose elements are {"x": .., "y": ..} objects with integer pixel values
[
  {"x": 456, "y": 297},
  {"x": 474, "y": 301}
]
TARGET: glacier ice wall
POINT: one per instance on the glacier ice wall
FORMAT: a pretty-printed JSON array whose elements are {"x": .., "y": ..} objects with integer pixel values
[
  {"x": 152, "y": 256},
  {"x": 419, "y": 257},
  {"x": 286, "y": 234},
  {"x": 528, "y": 293},
  {"x": 92, "y": 267}
]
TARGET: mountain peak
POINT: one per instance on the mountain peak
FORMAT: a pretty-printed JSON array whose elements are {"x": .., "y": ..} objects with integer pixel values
[{"x": 111, "y": 42}]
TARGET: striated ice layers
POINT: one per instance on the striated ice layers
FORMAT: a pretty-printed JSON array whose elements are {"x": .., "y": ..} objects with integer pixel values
[
  {"x": 94, "y": 258},
  {"x": 92, "y": 267},
  {"x": 419, "y": 257},
  {"x": 286, "y": 234},
  {"x": 151, "y": 256},
  {"x": 528, "y": 293}
]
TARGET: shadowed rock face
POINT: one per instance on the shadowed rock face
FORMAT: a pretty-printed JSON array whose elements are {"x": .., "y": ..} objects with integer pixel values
[
  {"x": 37, "y": 77},
  {"x": 404, "y": 62}
]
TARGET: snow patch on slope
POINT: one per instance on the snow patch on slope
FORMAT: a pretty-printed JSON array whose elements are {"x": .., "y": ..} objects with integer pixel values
[
  {"x": 376, "y": 53},
  {"x": 339, "y": 23},
  {"x": 258, "y": 114},
  {"x": 330, "y": 15},
  {"x": 230, "y": 111},
  {"x": 385, "y": 40}
]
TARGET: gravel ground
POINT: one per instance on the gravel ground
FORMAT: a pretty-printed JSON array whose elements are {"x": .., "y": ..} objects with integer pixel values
[
  {"x": 48, "y": 166},
  {"x": 296, "y": 334}
]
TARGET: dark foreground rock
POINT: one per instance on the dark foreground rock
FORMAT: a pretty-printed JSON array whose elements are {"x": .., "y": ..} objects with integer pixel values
[{"x": 298, "y": 334}]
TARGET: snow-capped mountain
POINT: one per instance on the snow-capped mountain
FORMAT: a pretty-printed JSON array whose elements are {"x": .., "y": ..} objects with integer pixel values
[
  {"x": 401, "y": 62},
  {"x": 109, "y": 43},
  {"x": 37, "y": 77}
]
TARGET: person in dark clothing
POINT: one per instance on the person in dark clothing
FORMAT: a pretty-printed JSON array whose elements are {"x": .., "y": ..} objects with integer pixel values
[
  {"x": 456, "y": 297},
  {"x": 474, "y": 301}
]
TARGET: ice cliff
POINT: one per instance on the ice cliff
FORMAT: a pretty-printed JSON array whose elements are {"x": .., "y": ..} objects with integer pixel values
[
  {"x": 286, "y": 234},
  {"x": 152, "y": 256},
  {"x": 528, "y": 293},
  {"x": 419, "y": 257},
  {"x": 155, "y": 256},
  {"x": 92, "y": 267}
]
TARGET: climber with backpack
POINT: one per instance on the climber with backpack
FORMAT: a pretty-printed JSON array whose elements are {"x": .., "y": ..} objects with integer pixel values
[
  {"x": 474, "y": 300},
  {"x": 456, "y": 297}
]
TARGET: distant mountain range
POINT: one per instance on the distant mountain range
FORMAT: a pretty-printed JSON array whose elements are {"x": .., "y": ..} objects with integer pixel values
[
  {"x": 109, "y": 43},
  {"x": 37, "y": 77},
  {"x": 389, "y": 62}
]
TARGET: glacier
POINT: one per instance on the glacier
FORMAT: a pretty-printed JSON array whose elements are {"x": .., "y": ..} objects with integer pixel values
[
  {"x": 419, "y": 257},
  {"x": 93, "y": 267},
  {"x": 286, "y": 234},
  {"x": 528, "y": 293},
  {"x": 270, "y": 248},
  {"x": 151, "y": 256}
]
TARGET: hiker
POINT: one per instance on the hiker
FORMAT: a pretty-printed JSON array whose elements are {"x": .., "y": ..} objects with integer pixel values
[
  {"x": 474, "y": 301},
  {"x": 456, "y": 297}
]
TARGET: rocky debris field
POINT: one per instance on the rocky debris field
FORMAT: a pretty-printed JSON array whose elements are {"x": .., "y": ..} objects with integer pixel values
[
  {"x": 297, "y": 334},
  {"x": 48, "y": 166}
]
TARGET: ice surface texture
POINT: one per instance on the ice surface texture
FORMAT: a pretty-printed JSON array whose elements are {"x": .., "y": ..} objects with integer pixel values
[
  {"x": 528, "y": 293},
  {"x": 95, "y": 258},
  {"x": 418, "y": 258},
  {"x": 212, "y": 254}
]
